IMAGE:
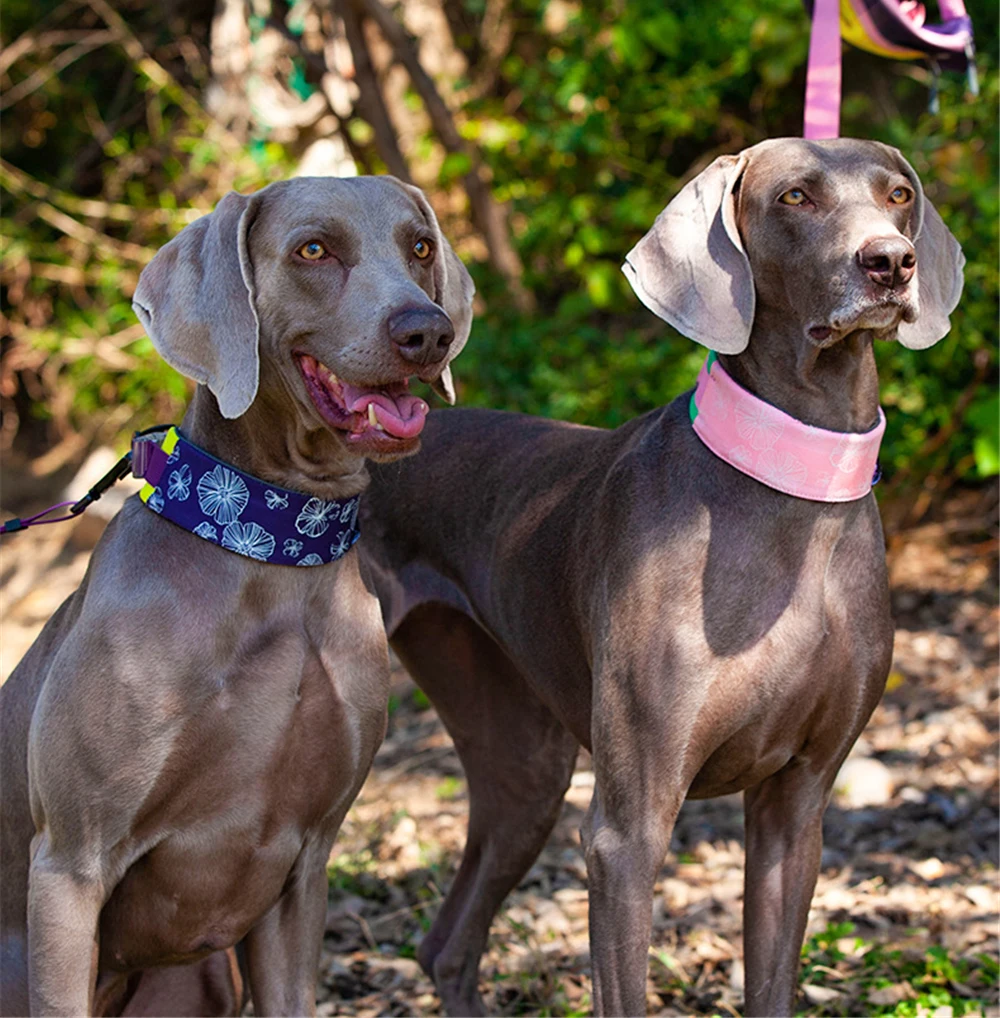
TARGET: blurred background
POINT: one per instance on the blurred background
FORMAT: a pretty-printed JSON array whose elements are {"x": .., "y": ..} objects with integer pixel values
[{"x": 548, "y": 135}]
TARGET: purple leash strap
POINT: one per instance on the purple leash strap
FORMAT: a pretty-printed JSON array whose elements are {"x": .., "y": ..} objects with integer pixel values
[
  {"x": 822, "y": 113},
  {"x": 12, "y": 526},
  {"x": 116, "y": 473}
]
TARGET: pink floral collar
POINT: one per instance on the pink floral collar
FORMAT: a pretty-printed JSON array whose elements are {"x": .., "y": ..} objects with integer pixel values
[{"x": 770, "y": 446}]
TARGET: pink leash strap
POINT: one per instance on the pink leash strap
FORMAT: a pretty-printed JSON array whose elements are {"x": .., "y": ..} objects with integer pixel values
[{"x": 822, "y": 114}]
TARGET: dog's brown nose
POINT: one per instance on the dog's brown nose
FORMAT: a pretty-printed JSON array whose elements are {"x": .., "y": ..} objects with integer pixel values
[
  {"x": 889, "y": 261},
  {"x": 422, "y": 335}
]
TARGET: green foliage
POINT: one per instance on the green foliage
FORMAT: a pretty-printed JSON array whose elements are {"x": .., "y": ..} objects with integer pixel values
[
  {"x": 450, "y": 788},
  {"x": 906, "y": 984},
  {"x": 599, "y": 112},
  {"x": 621, "y": 106}
]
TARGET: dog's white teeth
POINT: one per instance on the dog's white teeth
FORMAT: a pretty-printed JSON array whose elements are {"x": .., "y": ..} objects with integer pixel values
[
  {"x": 372, "y": 419},
  {"x": 378, "y": 427}
]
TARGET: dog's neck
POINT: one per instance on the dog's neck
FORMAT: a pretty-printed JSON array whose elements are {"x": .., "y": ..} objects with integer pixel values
[
  {"x": 835, "y": 387},
  {"x": 270, "y": 441}
]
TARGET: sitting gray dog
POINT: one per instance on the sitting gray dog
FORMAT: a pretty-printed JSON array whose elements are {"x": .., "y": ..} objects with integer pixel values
[
  {"x": 181, "y": 743},
  {"x": 699, "y": 597}
]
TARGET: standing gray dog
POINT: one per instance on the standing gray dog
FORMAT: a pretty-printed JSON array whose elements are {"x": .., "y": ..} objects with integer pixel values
[
  {"x": 700, "y": 631},
  {"x": 182, "y": 741}
]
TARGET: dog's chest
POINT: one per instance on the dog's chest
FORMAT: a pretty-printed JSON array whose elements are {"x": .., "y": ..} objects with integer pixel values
[
  {"x": 800, "y": 673},
  {"x": 262, "y": 769}
]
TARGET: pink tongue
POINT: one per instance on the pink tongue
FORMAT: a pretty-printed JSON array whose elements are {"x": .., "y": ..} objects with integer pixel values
[{"x": 401, "y": 415}]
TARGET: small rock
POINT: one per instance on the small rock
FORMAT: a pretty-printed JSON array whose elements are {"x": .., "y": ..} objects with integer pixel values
[
  {"x": 928, "y": 869},
  {"x": 676, "y": 895},
  {"x": 910, "y": 794},
  {"x": 820, "y": 994},
  {"x": 890, "y": 995},
  {"x": 863, "y": 781},
  {"x": 983, "y": 897},
  {"x": 736, "y": 976},
  {"x": 550, "y": 919}
]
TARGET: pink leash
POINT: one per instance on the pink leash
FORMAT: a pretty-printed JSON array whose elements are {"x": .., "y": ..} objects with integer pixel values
[
  {"x": 823, "y": 78},
  {"x": 822, "y": 115}
]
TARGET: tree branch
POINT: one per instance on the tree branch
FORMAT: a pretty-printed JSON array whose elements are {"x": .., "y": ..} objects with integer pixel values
[
  {"x": 370, "y": 104},
  {"x": 487, "y": 216}
]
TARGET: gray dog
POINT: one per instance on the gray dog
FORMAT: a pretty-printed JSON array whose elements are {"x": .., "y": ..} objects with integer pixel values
[
  {"x": 181, "y": 743},
  {"x": 697, "y": 630}
]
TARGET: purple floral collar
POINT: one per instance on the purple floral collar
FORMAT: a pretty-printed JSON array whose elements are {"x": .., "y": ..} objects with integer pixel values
[{"x": 237, "y": 511}]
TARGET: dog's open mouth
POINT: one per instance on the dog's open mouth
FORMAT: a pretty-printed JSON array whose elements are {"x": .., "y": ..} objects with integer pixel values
[{"x": 381, "y": 414}]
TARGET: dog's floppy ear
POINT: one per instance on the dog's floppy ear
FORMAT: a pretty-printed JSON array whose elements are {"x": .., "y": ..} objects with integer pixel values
[
  {"x": 196, "y": 301},
  {"x": 453, "y": 291},
  {"x": 939, "y": 270},
  {"x": 691, "y": 269}
]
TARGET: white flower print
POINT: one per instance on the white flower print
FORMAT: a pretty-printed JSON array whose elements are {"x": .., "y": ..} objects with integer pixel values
[
  {"x": 222, "y": 494},
  {"x": 206, "y": 530},
  {"x": 249, "y": 539},
  {"x": 180, "y": 483},
  {"x": 310, "y": 560},
  {"x": 292, "y": 548},
  {"x": 846, "y": 455},
  {"x": 155, "y": 501},
  {"x": 316, "y": 517},
  {"x": 781, "y": 468},
  {"x": 742, "y": 456},
  {"x": 716, "y": 402},
  {"x": 174, "y": 456},
  {"x": 759, "y": 425},
  {"x": 350, "y": 511},
  {"x": 275, "y": 500},
  {"x": 342, "y": 544}
]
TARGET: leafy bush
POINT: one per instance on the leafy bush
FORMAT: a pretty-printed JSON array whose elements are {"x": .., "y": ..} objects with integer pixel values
[
  {"x": 622, "y": 106},
  {"x": 597, "y": 114}
]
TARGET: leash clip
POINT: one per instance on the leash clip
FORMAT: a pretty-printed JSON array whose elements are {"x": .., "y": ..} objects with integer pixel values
[
  {"x": 140, "y": 444},
  {"x": 115, "y": 474}
]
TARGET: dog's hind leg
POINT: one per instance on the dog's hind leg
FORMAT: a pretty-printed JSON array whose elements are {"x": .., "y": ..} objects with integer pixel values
[
  {"x": 210, "y": 988},
  {"x": 518, "y": 761}
]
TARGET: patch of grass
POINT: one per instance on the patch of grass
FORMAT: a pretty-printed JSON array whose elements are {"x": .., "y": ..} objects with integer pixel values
[
  {"x": 872, "y": 980},
  {"x": 449, "y": 789},
  {"x": 546, "y": 992},
  {"x": 356, "y": 873}
]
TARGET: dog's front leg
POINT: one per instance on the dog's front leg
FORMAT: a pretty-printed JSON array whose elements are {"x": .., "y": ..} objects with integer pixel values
[
  {"x": 784, "y": 841},
  {"x": 283, "y": 949},
  {"x": 64, "y": 903},
  {"x": 624, "y": 851}
]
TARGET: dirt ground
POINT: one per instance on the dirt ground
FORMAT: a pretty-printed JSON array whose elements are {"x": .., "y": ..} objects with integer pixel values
[{"x": 904, "y": 920}]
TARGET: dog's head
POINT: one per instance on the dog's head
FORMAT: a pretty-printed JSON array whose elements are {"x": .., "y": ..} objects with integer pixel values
[
  {"x": 836, "y": 236},
  {"x": 327, "y": 293}
]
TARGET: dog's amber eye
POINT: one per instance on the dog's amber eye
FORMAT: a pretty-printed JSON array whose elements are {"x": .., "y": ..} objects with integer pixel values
[
  {"x": 313, "y": 251},
  {"x": 423, "y": 249},
  {"x": 900, "y": 196},
  {"x": 794, "y": 196}
]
